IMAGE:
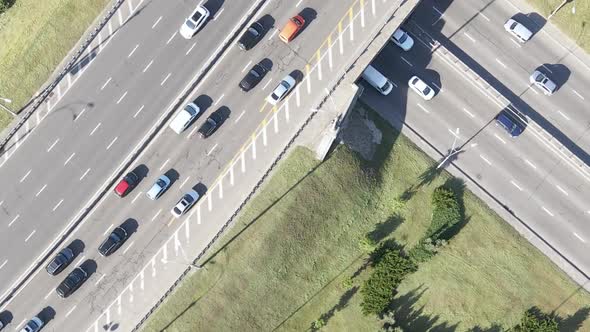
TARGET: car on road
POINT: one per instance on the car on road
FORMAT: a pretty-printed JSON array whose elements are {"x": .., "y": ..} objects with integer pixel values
[
  {"x": 158, "y": 188},
  {"x": 402, "y": 39},
  {"x": 126, "y": 184},
  {"x": 194, "y": 22},
  {"x": 210, "y": 125},
  {"x": 253, "y": 77},
  {"x": 60, "y": 261},
  {"x": 421, "y": 88},
  {"x": 113, "y": 241},
  {"x": 72, "y": 282},
  {"x": 34, "y": 325},
  {"x": 184, "y": 118},
  {"x": 543, "y": 82},
  {"x": 508, "y": 120},
  {"x": 185, "y": 203},
  {"x": 282, "y": 90},
  {"x": 518, "y": 30},
  {"x": 292, "y": 28},
  {"x": 251, "y": 36}
]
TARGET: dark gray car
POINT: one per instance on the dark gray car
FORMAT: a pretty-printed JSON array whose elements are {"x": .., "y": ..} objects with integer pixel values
[
  {"x": 60, "y": 261},
  {"x": 72, "y": 282},
  {"x": 113, "y": 242}
]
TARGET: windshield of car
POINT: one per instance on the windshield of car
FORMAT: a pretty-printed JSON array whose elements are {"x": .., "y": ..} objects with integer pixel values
[
  {"x": 540, "y": 78},
  {"x": 274, "y": 96},
  {"x": 190, "y": 109},
  {"x": 286, "y": 85},
  {"x": 187, "y": 200},
  {"x": 403, "y": 38},
  {"x": 190, "y": 24},
  {"x": 160, "y": 183},
  {"x": 197, "y": 16},
  {"x": 426, "y": 90}
]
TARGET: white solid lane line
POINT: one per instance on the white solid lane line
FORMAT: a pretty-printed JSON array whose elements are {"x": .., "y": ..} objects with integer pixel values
[
  {"x": 5, "y": 261},
  {"x": 70, "y": 311},
  {"x": 79, "y": 260},
  {"x": 219, "y": 99},
  {"x": 501, "y": 63},
  {"x": 267, "y": 83},
  {"x": 80, "y": 114},
  {"x": 184, "y": 182},
  {"x": 298, "y": 3},
  {"x": 470, "y": 114},
  {"x": 49, "y": 293},
  {"x": 468, "y": 36},
  {"x": 157, "y": 214},
  {"x": 406, "y": 61},
  {"x": 423, "y": 108},
  {"x": 530, "y": 164},
  {"x": 99, "y": 280}
]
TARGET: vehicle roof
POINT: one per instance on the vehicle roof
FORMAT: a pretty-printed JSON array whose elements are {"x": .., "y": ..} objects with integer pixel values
[
  {"x": 122, "y": 186},
  {"x": 291, "y": 27}
]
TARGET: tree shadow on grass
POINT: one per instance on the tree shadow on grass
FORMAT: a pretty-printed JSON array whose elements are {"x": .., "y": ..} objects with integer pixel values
[{"x": 342, "y": 303}]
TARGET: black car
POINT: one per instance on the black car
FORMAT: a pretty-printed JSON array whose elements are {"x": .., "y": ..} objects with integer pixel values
[
  {"x": 510, "y": 123},
  {"x": 60, "y": 261},
  {"x": 212, "y": 122},
  {"x": 72, "y": 282},
  {"x": 251, "y": 36},
  {"x": 113, "y": 242},
  {"x": 253, "y": 77}
]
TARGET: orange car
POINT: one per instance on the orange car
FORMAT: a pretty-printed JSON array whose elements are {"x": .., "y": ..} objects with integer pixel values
[{"x": 292, "y": 28}]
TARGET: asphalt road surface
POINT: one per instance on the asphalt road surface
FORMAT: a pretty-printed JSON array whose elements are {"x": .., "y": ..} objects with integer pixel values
[
  {"x": 543, "y": 188},
  {"x": 223, "y": 166}
]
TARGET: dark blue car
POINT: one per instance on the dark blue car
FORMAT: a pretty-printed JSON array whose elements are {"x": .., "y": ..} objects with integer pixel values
[{"x": 508, "y": 121}]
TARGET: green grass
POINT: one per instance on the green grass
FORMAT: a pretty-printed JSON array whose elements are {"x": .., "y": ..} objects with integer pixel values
[
  {"x": 35, "y": 36},
  {"x": 573, "y": 25},
  {"x": 300, "y": 239}
]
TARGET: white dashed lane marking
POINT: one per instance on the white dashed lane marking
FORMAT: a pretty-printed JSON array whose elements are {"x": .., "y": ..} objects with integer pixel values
[{"x": 547, "y": 211}]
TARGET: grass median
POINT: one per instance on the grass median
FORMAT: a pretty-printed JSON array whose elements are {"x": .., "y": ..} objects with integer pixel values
[
  {"x": 575, "y": 25},
  {"x": 296, "y": 254},
  {"x": 35, "y": 36}
]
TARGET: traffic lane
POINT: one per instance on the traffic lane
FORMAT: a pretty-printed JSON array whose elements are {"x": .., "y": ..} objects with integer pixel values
[
  {"x": 452, "y": 105},
  {"x": 90, "y": 149}
]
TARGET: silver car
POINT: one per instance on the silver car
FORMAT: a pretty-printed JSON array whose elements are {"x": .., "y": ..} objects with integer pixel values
[
  {"x": 543, "y": 82},
  {"x": 282, "y": 90},
  {"x": 185, "y": 203},
  {"x": 518, "y": 30},
  {"x": 34, "y": 325},
  {"x": 158, "y": 188}
]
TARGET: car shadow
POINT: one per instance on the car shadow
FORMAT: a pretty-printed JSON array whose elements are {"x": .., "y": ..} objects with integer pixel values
[
  {"x": 173, "y": 175},
  {"x": 47, "y": 314},
  {"x": 89, "y": 266},
  {"x": 6, "y": 317},
  {"x": 268, "y": 22},
  {"x": 204, "y": 102},
  {"x": 77, "y": 247},
  {"x": 432, "y": 78},
  {"x": 297, "y": 75},
  {"x": 309, "y": 15},
  {"x": 266, "y": 63},
  {"x": 130, "y": 225},
  {"x": 141, "y": 171},
  {"x": 213, "y": 6},
  {"x": 200, "y": 188},
  {"x": 557, "y": 72}
]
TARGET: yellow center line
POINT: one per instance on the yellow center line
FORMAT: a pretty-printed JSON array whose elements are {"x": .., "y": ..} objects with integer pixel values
[
  {"x": 263, "y": 107},
  {"x": 350, "y": 15},
  {"x": 329, "y": 40},
  {"x": 318, "y": 55}
]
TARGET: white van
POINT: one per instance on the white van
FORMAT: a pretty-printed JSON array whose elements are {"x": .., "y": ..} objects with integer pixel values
[
  {"x": 184, "y": 118},
  {"x": 377, "y": 80}
]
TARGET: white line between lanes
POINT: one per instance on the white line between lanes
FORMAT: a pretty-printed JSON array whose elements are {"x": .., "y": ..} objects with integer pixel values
[
  {"x": 516, "y": 185},
  {"x": 563, "y": 115},
  {"x": 240, "y": 116},
  {"x": 468, "y": 36},
  {"x": 422, "y": 107},
  {"x": 164, "y": 164},
  {"x": 501, "y": 63},
  {"x": 40, "y": 191},
  {"x": 138, "y": 111},
  {"x": 530, "y": 163},
  {"x": 579, "y": 237},
  {"x": 515, "y": 42},
  {"x": 165, "y": 79},
  {"x": 247, "y": 66},
  {"x": 108, "y": 229},
  {"x": 213, "y": 148},
  {"x": 70, "y": 311},
  {"x": 49, "y": 293},
  {"x": 157, "y": 214},
  {"x": 128, "y": 247},
  {"x": 157, "y": 21},
  {"x": 485, "y": 159},
  {"x": 579, "y": 95},
  {"x": 562, "y": 190},
  {"x": 93, "y": 130},
  {"x": 272, "y": 34},
  {"x": 79, "y": 260},
  {"x": 52, "y": 145},
  {"x": 190, "y": 49},
  {"x": 5, "y": 261},
  {"x": 548, "y": 212},
  {"x": 123, "y": 96},
  {"x": 267, "y": 83},
  {"x": 25, "y": 176},
  {"x": 30, "y": 235},
  {"x": 112, "y": 142},
  {"x": 148, "y": 66},
  {"x": 105, "y": 83},
  {"x": 57, "y": 205},
  {"x": 13, "y": 220},
  {"x": 99, "y": 279},
  {"x": 298, "y": 3},
  {"x": 84, "y": 175},
  {"x": 482, "y": 15},
  {"x": 136, "y": 197},
  {"x": 406, "y": 61},
  {"x": 219, "y": 99},
  {"x": 218, "y": 14},
  {"x": 133, "y": 51},
  {"x": 470, "y": 114},
  {"x": 184, "y": 182},
  {"x": 500, "y": 138},
  {"x": 80, "y": 114},
  {"x": 171, "y": 37}
]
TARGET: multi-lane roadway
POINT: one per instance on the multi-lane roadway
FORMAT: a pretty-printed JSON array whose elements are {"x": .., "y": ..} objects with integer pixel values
[{"x": 478, "y": 69}]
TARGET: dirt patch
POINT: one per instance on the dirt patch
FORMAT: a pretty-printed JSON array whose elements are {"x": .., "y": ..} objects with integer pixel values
[{"x": 361, "y": 134}]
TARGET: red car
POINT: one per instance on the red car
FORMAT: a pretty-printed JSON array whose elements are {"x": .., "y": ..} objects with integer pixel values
[{"x": 126, "y": 184}]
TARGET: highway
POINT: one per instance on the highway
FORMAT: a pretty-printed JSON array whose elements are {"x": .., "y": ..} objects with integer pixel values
[
  {"x": 224, "y": 167},
  {"x": 91, "y": 130},
  {"x": 526, "y": 174}
]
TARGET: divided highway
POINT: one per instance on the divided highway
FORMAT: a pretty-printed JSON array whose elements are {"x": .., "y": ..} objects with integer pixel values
[{"x": 543, "y": 188}]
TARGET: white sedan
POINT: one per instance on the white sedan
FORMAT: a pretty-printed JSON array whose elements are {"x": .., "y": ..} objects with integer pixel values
[
  {"x": 543, "y": 82},
  {"x": 421, "y": 88},
  {"x": 185, "y": 203},
  {"x": 402, "y": 39},
  {"x": 194, "y": 22},
  {"x": 282, "y": 90}
]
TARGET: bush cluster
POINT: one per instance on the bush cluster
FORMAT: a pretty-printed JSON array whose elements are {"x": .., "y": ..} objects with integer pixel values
[
  {"x": 534, "y": 320},
  {"x": 445, "y": 212},
  {"x": 378, "y": 290}
]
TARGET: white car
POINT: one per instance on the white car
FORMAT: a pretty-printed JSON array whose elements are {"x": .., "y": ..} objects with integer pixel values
[
  {"x": 421, "y": 88},
  {"x": 402, "y": 39},
  {"x": 34, "y": 325},
  {"x": 158, "y": 188},
  {"x": 282, "y": 90},
  {"x": 543, "y": 82},
  {"x": 184, "y": 118},
  {"x": 194, "y": 22},
  {"x": 518, "y": 30},
  {"x": 185, "y": 203}
]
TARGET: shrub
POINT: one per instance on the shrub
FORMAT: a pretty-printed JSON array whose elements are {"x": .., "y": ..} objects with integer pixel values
[
  {"x": 378, "y": 290},
  {"x": 445, "y": 214},
  {"x": 534, "y": 320},
  {"x": 426, "y": 249}
]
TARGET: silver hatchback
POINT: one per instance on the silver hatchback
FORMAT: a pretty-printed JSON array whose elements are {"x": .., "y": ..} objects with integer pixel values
[{"x": 158, "y": 188}]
